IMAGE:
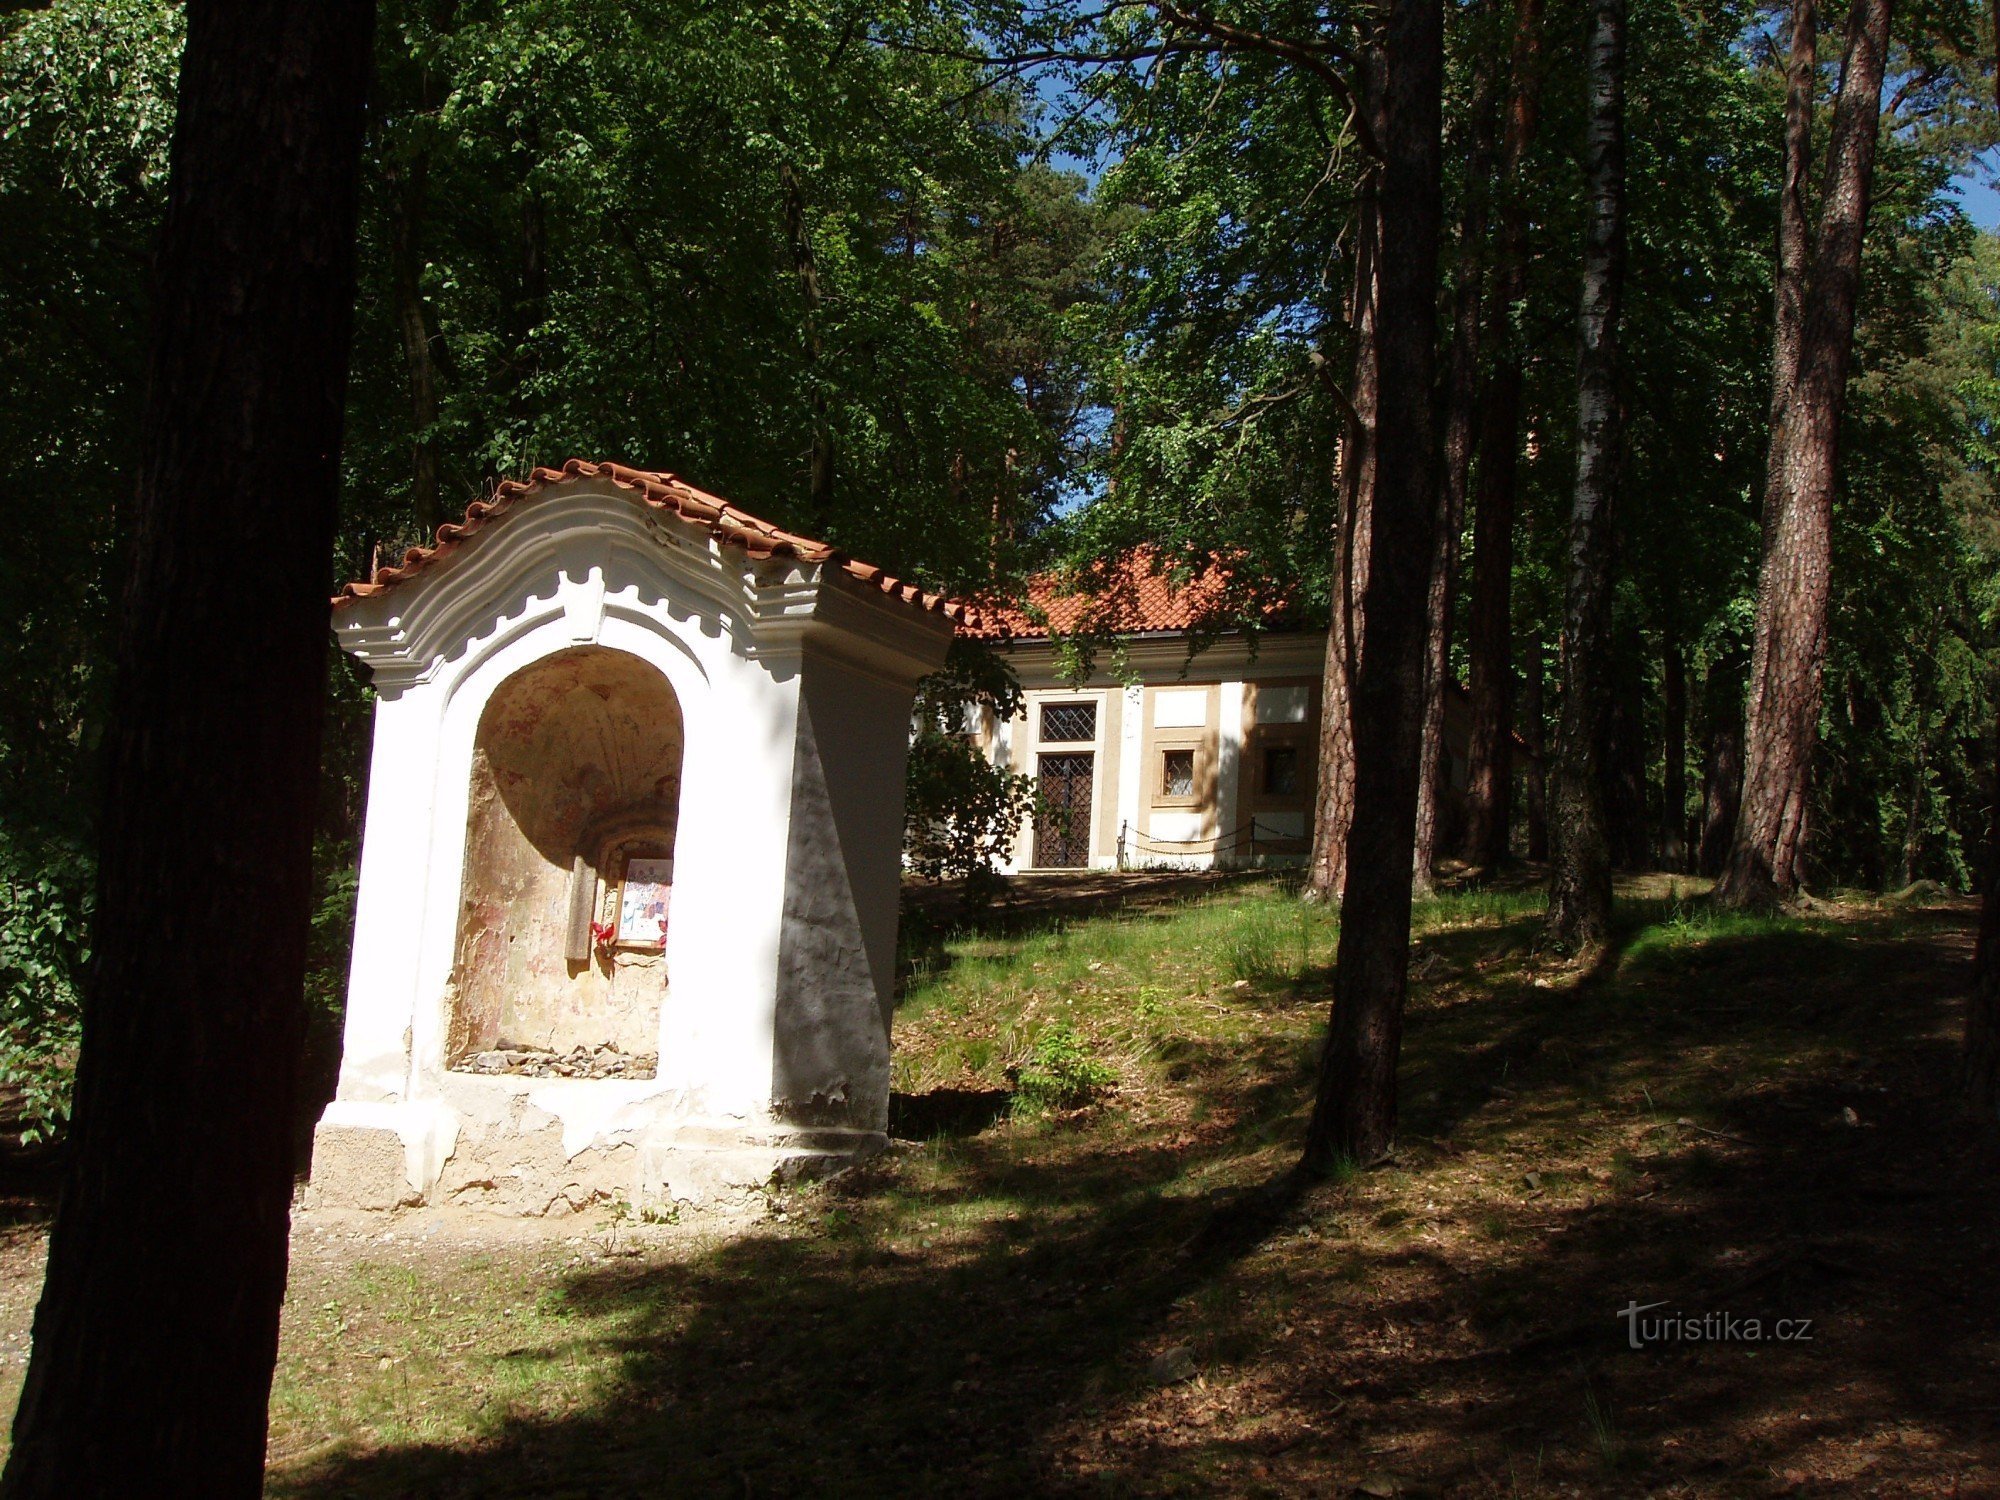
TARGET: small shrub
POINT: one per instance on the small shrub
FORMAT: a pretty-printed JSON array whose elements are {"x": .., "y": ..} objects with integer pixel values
[
  {"x": 44, "y": 926},
  {"x": 1060, "y": 1072}
]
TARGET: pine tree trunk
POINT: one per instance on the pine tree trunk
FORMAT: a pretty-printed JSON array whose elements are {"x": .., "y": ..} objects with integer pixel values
[
  {"x": 1535, "y": 783},
  {"x": 158, "y": 1326},
  {"x": 1489, "y": 751},
  {"x": 1333, "y": 812},
  {"x": 1579, "y": 917},
  {"x": 1789, "y": 656},
  {"x": 1673, "y": 779},
  {"x": 1981, "y": 1081},
  {"x": 1354, "y": 1111},
  {"x": 1794, "y": 240},
  {"x": 1460, "y": 399}
]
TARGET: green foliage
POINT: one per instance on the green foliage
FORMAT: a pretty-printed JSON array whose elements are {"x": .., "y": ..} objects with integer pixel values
[
  {"x": 86, "y": 108},
  {"x": 961, "y": 811},
  {"x": 714, "y": 241},
  {"x": 1060, "y": 1072},
  {"x": 44, "y": 925}
]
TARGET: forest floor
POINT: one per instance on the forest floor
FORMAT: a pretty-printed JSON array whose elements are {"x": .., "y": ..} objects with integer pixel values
[{"x": 1737, "y": 1118}]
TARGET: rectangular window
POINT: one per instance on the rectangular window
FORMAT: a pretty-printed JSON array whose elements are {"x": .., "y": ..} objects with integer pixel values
[
  {"x": 1281, "y": 771},
  {"x": 1069, "y": 723},
  {"x": 1177, "y": 774}
]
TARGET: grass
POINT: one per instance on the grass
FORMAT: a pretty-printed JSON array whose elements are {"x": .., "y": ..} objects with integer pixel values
[
  {"x": 980, "y": 1311},
  {"x": 1743, "y": 1115}
]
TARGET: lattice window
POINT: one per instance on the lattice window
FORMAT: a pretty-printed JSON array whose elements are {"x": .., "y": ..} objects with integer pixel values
[
  {"x": 1177, "y": 774},
  {"x": 1068, "y": 723}
]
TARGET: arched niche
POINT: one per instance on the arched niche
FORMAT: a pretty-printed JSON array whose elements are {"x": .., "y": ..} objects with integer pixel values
[{"x": 570, "y": 829}]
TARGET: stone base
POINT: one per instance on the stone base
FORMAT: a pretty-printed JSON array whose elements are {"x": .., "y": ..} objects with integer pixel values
[
  {"x": 515, "y": 1158},
  {"x": 359, "y": 1166},
  {"x": 692, "y": 1167}
]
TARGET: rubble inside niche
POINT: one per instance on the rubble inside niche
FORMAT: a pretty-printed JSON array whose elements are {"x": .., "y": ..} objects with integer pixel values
[{"x": 580, "y": 1062}]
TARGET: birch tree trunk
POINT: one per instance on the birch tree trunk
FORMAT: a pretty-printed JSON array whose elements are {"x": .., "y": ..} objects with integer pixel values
[
  {"x": 1788, "y": 659},
  {"x": 1579, "y": 917},
  {"x": 1354, "y": 1110},
  {"x": 158, "y": 1325}
]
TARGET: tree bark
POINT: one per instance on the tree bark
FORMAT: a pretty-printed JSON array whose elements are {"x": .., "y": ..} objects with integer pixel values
[
  {"x": 408, "y": 180},
  {"x": 1354, "y": 1111},
  {"x": 805, "y": 266},
  {"x": 1673, "y": 777},
  {"x": 411, "y": 190},
  {"x": 157, "y": 1330},
  {"x": 1794, "y": 239},
  {"x": 1535, "y": 782},
  {"x": 1628, "y": 826},
  {"x": 1914, "y": 796},
  {"x": 1722, "y": 765},
  {"x": 1980, "y": 1085},
  {"x": 1460, "y": 400},
  {"x": 1788, "y": 660},
  {"x": 1489, "y": 751},
  {"x": 1333, "y": 811},
  {"x": 1579, "y": 917}
]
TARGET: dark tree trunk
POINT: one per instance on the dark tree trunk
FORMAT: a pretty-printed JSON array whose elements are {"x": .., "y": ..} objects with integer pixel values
[
  {"x": 1981, "y": 1083},
  {"x": 1460, "y": 399},
  {"x": 805, "y": 266},
  {"x": 1789, "y": 658},
  {"x": 407, "y": 214},
  {"x": 1628, "y": 825},
  {"x": 1489, "y": 752},
  {"x": 408, "y": 181},
  {"x": 158, "y": 1325},
  {"x": 1794, "y": 240},
  {"x": 1580, "y": 875},
  {"x": 1916, "y": 794},
  {"x": 531, "y": 302},
  {"x": 1535, "y": 783},
  {"x": 1334, "y": 798},
  {"x": 1354, "y": 1112},
  {"x": 1722, "y": 766},
  {"x": 1673, "y": 778}
]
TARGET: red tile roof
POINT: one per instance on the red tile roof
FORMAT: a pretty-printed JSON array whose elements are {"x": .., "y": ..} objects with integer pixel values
[
  {"x": 661, "y": 492},
  {"x": 1126, "y": 597}
]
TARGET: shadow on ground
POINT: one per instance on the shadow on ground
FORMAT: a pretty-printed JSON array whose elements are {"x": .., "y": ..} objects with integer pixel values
[{"x": 1755, "y": 1126}]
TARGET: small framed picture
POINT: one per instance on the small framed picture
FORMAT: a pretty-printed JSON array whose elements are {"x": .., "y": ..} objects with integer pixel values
[{"x": 642, "y": 903}]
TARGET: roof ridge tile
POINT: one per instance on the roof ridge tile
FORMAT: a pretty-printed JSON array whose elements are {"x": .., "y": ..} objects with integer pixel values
[{"x": 662, "y": 491}]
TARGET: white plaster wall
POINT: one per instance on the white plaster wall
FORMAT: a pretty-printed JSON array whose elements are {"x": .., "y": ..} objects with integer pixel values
[
  {"x": 1131, "y": 775},
  {"x": 836, "y": 975},
  {"x": 1229, "y": 818}
]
